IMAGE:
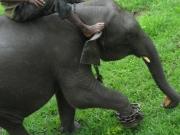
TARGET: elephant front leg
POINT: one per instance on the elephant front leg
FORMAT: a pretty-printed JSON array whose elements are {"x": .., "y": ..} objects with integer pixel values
[
  {"x": 91, "y": 94},
  {"x": 67, "y": 114}
]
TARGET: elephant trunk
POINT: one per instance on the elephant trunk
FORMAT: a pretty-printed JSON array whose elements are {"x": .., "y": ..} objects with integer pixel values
[{"x": 153, "y": 62}]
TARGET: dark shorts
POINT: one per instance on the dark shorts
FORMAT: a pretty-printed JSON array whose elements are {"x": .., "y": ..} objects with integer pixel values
[{"x": 26, "y": 10}]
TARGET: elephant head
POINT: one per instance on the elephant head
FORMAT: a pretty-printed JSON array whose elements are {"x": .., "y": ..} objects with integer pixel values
[{"x": 122, "y": 36}]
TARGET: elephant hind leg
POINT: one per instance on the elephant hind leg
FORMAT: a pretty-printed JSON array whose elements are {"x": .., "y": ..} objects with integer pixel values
[{"x": 12, "y": 124}]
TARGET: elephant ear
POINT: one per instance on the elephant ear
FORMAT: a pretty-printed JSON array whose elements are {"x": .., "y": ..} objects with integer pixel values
[{"x": 91, "y": 51}]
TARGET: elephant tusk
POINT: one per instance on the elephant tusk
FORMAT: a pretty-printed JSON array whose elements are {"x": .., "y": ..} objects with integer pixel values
[{"x": 146, "y": 59}]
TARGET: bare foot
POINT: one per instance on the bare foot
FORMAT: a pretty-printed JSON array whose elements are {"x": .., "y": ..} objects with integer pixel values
[{"x": 93, "y": 29}]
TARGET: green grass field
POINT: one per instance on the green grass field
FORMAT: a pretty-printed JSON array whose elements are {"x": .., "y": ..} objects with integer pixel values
[{"x": 161, "y": 21}]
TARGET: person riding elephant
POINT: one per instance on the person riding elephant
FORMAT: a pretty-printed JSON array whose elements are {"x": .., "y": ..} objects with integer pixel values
[
  {"x": 53, "y": 58},
  {"x": 24, "y": 10}
]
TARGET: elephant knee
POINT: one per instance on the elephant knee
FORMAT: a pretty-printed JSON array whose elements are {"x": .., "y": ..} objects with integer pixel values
[
  {"x": 81, "y": 102},
  {"x": 76, "y": 103}
]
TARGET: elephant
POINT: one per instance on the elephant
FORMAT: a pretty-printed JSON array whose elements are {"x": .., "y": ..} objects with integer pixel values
[{"x": 48, "y": 56}]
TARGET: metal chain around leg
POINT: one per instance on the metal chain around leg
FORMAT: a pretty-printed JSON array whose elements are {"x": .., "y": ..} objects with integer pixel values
[
  {"x": 99, "y": 76},
  {"x": 133, "y": 119}
]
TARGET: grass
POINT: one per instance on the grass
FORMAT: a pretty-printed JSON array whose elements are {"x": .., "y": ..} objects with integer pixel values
[
  {"x": 1, "y": 10},
  {"x": 160, "y": 19}
]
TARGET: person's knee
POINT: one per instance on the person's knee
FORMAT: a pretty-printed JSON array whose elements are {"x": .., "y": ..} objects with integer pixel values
[{"x": 65, "y": 12}]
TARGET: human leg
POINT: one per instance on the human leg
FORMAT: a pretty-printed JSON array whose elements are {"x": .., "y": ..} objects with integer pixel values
[
  {"x": 86, "y": 29},
  {"x": 26, "y": 11},
  {"x": 67, "y": 13}
]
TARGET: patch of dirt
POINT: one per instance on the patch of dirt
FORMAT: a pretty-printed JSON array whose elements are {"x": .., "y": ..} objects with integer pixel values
[{"x": 138, "y": 13}]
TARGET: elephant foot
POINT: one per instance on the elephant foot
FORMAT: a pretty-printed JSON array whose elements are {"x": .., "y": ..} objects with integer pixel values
[
  {"x": 76, "y": 126},
  {"x": 132, "y": 120}
]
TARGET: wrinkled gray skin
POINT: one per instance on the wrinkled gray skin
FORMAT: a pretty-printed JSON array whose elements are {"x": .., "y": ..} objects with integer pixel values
[{"x": 41, "y": 58}]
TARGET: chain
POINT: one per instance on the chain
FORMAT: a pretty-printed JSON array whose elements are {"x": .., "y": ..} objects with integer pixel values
[
  {"x": 99, "y": 76},
  {"x": 132, "y": 117},
  {"x": 74, "y": 8}
]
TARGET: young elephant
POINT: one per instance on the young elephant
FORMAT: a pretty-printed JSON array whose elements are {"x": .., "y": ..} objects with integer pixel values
[{"x": 47, "y": 56}]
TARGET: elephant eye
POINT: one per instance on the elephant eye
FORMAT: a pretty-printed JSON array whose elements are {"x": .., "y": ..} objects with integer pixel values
[{"x": 127, "y": 39}]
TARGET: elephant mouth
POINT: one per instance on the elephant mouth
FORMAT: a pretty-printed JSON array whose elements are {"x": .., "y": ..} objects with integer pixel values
[{"x": 145, "y": 58}]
